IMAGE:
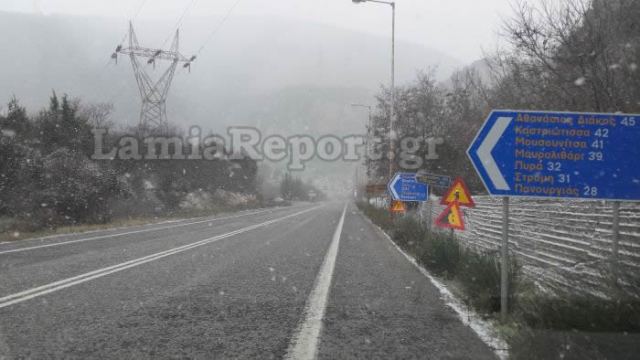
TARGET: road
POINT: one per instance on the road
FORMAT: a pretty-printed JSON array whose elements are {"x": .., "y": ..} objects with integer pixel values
[{"x": 307, "y": 281}]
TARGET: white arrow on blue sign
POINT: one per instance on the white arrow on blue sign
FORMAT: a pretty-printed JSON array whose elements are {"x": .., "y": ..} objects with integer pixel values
[
  {"x": 406, "y": 187},
  {"x": 559, "y": 155}
]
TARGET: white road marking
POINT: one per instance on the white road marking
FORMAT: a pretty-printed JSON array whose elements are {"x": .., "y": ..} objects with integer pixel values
[
  {"x": 485, "y": 149},
  {"x": 79, "y": 279},
  {"x": 126, "y": 233},
  {"x": 304, "y": 344}
]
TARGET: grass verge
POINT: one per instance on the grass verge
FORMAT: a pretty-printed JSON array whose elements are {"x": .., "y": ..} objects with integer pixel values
[{"x": 540, "y": 325}]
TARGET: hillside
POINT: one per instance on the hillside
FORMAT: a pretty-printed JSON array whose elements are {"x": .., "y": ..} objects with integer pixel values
[{"x": 249, "y": 63}]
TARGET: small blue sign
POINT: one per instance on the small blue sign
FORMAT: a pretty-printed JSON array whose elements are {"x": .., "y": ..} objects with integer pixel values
[
  {"x": 441, "y": 181},
  {"x": 406, "y": 187},
  {"x": 559, "y": 155}
]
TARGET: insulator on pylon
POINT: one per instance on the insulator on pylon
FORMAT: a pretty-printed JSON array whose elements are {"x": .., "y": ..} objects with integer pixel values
[
  {"x": 153, "y": 112},
  {"x": 118, "y": 48}
]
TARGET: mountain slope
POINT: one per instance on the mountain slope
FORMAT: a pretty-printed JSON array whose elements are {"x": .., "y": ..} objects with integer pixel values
[{"x": 250, "y": 58}]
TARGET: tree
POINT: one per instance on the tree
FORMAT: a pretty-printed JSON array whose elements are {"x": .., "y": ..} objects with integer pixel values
[
  {"x": 59, "y": 126},
  {"x": 16, "y": 123},
  {"x": 580, "y": 55}
]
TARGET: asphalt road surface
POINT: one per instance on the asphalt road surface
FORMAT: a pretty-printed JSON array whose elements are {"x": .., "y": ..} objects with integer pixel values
[{"x": 301, "y": 282}]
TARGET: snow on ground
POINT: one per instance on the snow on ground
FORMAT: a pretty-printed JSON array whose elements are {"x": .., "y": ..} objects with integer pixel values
[{"x": 485, "y": 330}]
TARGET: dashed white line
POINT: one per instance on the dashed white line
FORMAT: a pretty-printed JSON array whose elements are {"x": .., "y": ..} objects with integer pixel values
[
  {"x": 79, "y": 279},
  {"x": 304, "y": 344}
]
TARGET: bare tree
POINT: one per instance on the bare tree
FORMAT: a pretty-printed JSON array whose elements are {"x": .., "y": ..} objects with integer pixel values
[{"x": 98, "y": 115}]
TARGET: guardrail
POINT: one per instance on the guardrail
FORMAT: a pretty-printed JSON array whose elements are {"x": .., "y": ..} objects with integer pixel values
[{"x": 561, "y": 244}]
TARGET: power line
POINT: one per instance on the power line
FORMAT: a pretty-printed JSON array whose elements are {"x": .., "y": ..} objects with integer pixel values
[
  {"x": 179, "y": 22},
  {"x": 133, "y": 19},
  {"x": 215, "y": 31},
  {"x": 139, "y": 9},
  {"x": 224, "y": 20}
]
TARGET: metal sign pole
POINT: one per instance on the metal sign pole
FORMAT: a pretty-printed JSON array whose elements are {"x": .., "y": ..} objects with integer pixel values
[
  {"x": 616, "y": 238},
  {"x": 504, "y": 254},
  {"x": 429, "y": 213}
]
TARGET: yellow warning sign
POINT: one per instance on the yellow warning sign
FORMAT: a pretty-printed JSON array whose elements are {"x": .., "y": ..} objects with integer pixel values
[
  {"x": 451, "y": 218},
  {"x": 458, "y": 192},
  {"x": 398, "y": 207}
]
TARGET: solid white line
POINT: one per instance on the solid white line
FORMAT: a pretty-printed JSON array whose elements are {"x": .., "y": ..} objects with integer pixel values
[
  {"x": 79, "y": 279},
  {"x": 304, "y": 344},
  {"x": 125, "y": 233}
]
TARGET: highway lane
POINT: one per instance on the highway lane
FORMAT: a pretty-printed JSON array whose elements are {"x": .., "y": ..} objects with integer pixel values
[
  {"x": 384, "y": 305},
  {"x": 42, "y": 263},
  {"x": 240, "y": 288},
  {"x": 73, "y": 238}
]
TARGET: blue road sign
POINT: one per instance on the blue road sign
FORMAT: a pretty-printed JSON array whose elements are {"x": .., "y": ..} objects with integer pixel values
[
  {"x": 406, "y": 187},
  {"x": 559, "y": 155},
  {"x": 441, "y": 181}
]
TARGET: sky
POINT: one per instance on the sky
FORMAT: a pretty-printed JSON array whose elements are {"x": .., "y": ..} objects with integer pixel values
[{"x": 460, "y": 28}]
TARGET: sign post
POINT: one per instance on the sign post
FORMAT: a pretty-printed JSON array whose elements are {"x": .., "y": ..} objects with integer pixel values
[
  {"x": 504, "y": 260},
  {"x": 558, "y": 155},
  {"x": 615, "y": 228},
  {"x": 436, "y": 181}
]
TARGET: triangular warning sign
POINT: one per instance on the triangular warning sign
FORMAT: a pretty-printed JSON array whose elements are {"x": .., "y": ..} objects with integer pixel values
[
  {"x": 398, "y": 207},
  {"x": 451, "y": 218},
  {"x": 458, "y": 192}
]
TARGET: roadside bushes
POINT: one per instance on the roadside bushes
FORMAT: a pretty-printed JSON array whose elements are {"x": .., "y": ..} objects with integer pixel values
[
  {"x": 379, "y": 216},
  {"x": 441, "y": 255},
  {"x": 568, "y": 312},
  {"x": 541, "y": 324},
  {"x": 476, "y": 274},
  {"x": 574, "y": 327},
  {"x": 407, "y": 232},
  {"x": 49, "y": 176}
]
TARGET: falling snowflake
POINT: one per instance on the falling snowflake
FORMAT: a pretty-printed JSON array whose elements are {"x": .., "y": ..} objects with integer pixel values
[{"x": 580, "y": 81}]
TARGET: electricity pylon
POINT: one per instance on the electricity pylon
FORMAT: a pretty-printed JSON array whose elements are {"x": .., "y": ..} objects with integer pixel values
[{"x": 153, "y": 114}]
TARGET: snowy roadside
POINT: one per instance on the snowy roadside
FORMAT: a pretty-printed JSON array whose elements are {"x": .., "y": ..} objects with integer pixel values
[{"x": 485, "y": 330}]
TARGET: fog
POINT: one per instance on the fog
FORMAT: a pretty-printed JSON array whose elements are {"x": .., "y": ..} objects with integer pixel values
[{"x": 419, "y": 21}]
